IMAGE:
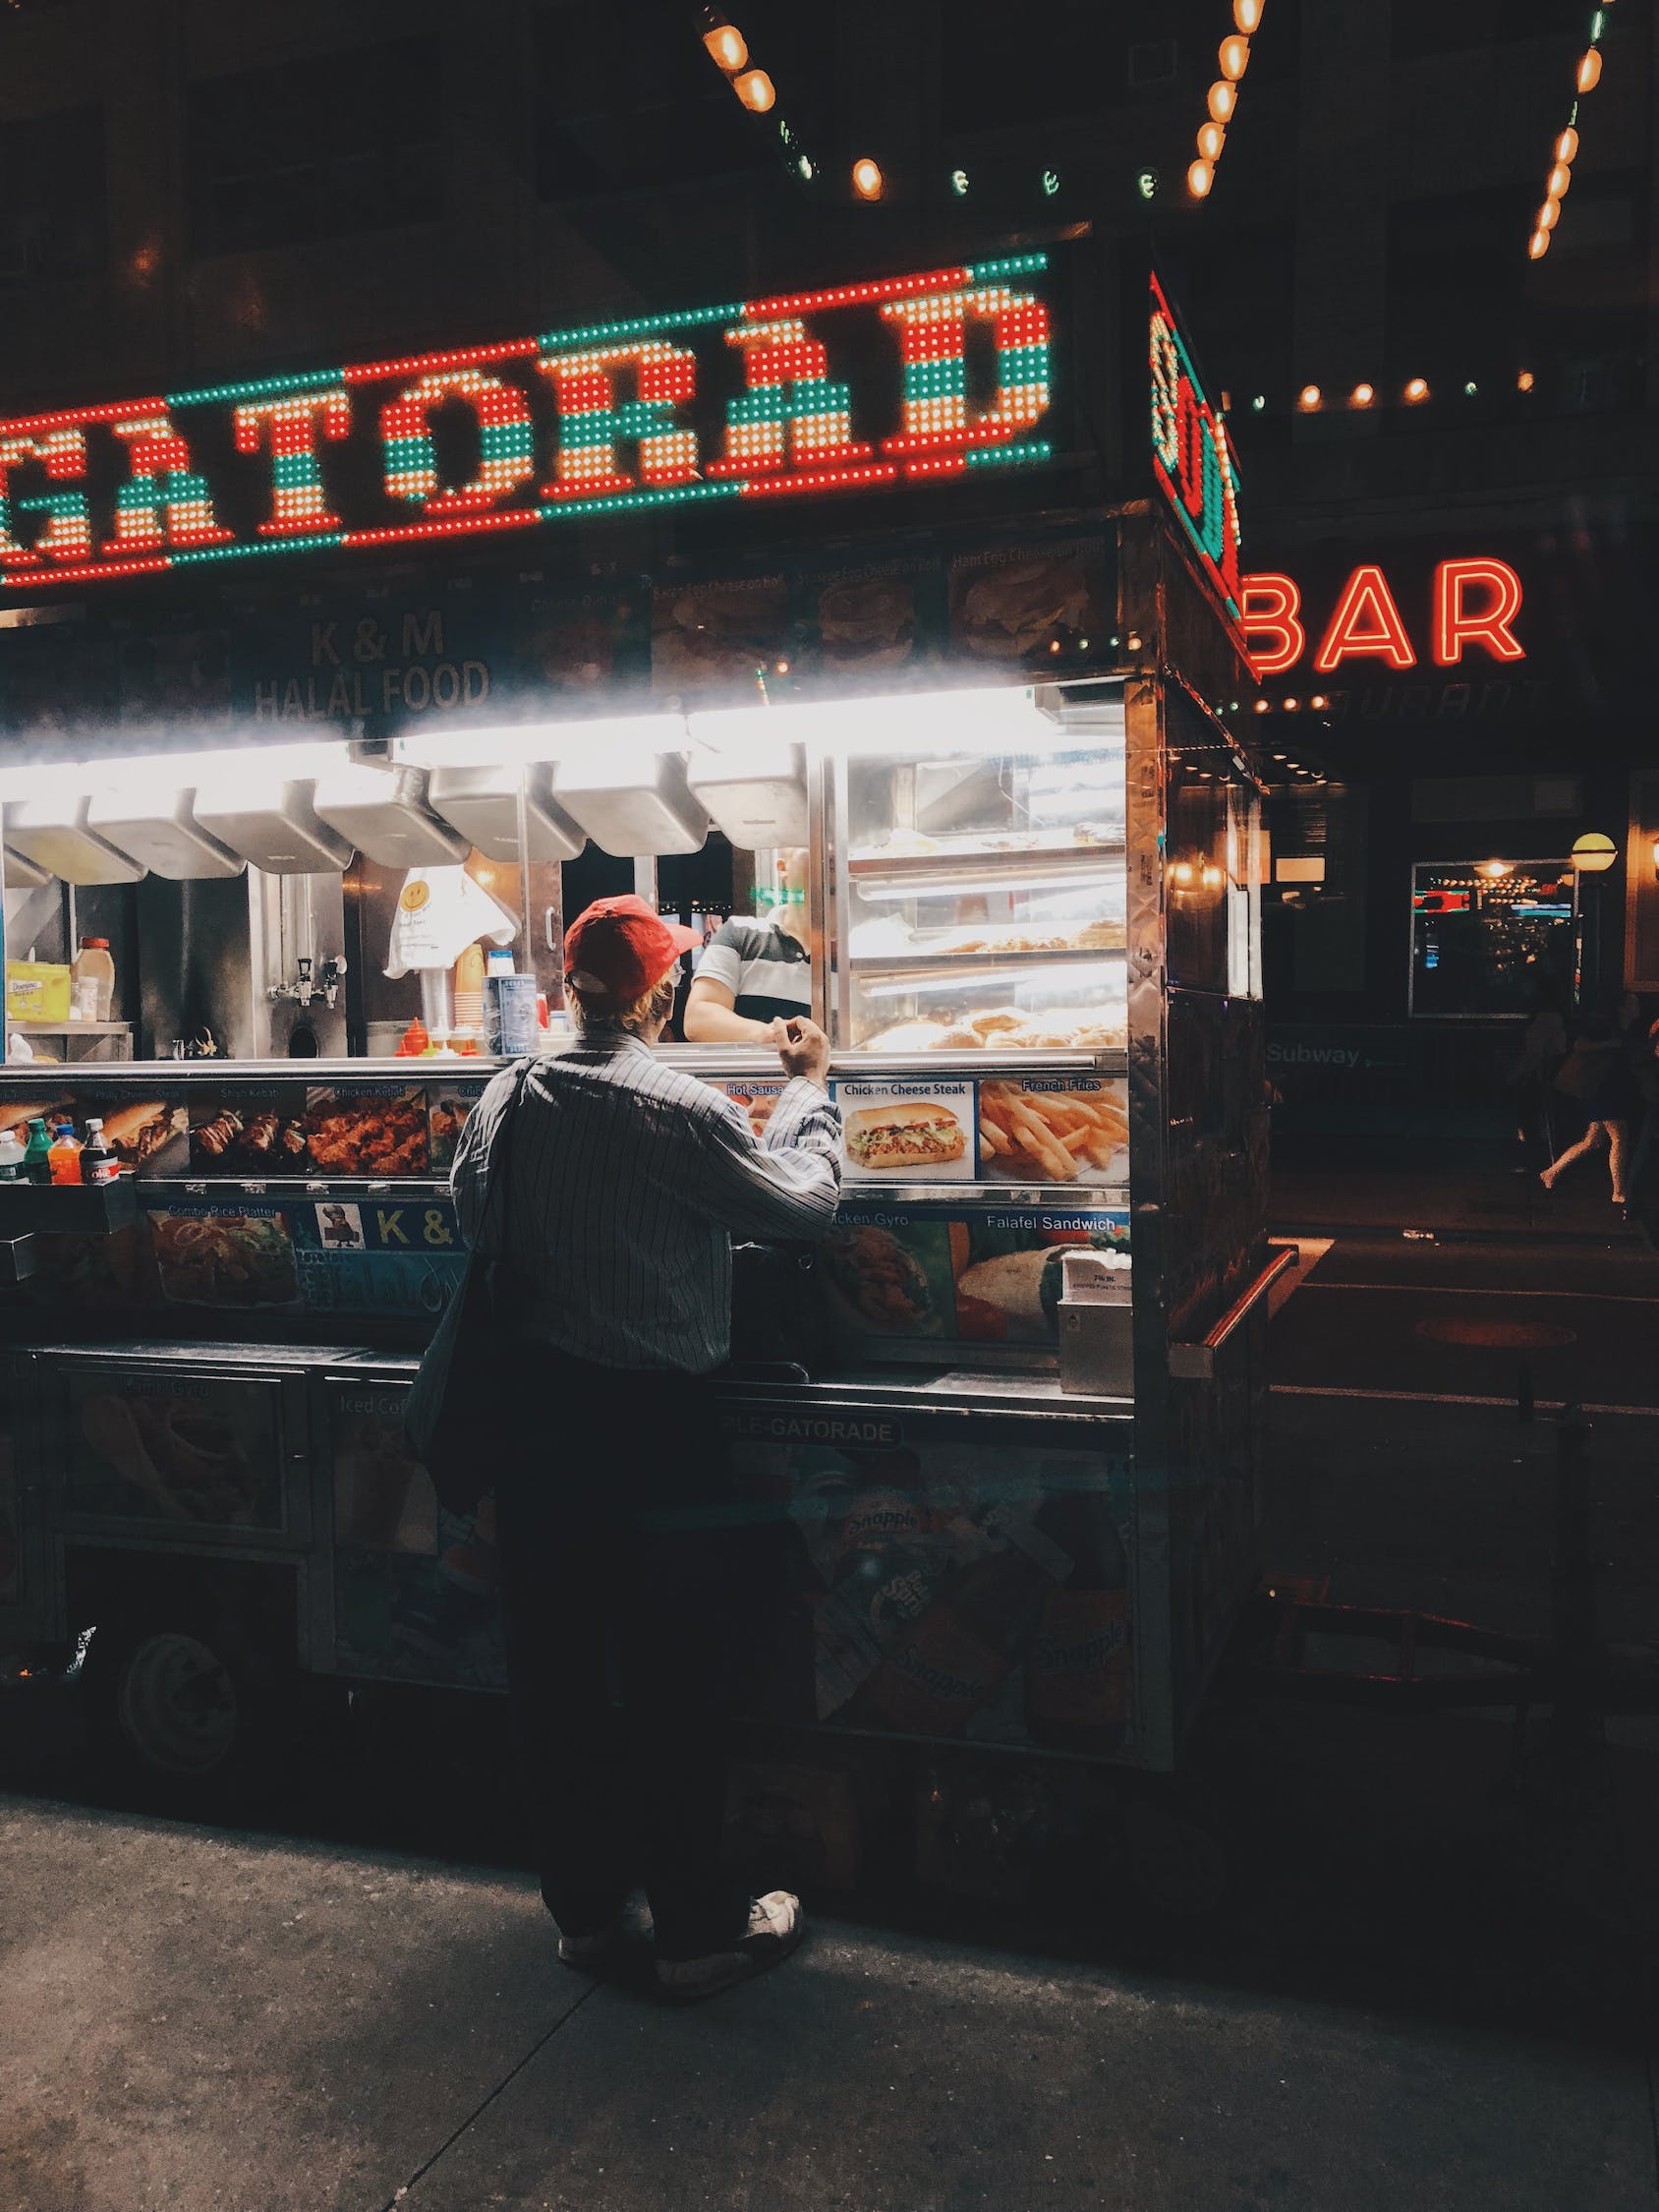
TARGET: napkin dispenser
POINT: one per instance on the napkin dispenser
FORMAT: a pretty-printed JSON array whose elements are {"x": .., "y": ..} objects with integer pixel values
[{"x": 1096, "y": 1317}]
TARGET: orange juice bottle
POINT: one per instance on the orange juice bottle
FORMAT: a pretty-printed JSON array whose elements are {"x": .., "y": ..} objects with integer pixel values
[{"x": 65, "y": 1155}]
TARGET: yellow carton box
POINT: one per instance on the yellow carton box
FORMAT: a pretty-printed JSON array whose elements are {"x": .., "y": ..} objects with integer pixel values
[{"x": 37, "y": 991}]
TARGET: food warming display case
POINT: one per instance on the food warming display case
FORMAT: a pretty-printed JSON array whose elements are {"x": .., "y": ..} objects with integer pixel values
[{"x": 1020, "y": 1488}]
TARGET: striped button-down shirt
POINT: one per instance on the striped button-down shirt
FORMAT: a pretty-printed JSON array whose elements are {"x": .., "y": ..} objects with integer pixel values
[{"x": 628, "y": 1179}]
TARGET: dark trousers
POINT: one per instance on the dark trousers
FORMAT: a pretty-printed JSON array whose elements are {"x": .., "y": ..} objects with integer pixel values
[{"x": 620, "y": 1568}]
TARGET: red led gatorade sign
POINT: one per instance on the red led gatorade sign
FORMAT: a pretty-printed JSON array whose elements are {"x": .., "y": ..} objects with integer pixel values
[
  {"x": 1472, "y": 603},
  {"x": 753, "y": 399},
  {"x": 1190, "y": 455}
]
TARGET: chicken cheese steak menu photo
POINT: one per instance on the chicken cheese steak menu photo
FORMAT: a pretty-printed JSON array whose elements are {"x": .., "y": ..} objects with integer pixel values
[
  {"x": 897, "y": 1130},
  {"x": 183, "y": 1448}
]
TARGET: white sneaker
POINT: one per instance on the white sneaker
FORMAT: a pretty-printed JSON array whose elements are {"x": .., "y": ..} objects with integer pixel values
[{"x": 776, "y": 1925}]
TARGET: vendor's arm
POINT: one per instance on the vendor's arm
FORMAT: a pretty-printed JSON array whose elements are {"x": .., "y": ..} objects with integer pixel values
[{"x": 711, "y": 1016}]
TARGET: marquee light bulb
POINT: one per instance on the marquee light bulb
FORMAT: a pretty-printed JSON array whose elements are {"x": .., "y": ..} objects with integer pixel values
[
  {"x": 1526, "y": 381},
  {"x": 1363, "y": 394},
  {"x": 727, "y": 48},
  {"x": 1589, "y": 68},
  {"x": 1556, "y": 184},
  {"x": 1200, "y": 176},
  {"x": 756, "y": 89},
  {"x": 1234, "y": 57},
  {"x": 867, "y": 179},
  {"x": 1418, "y": 389},
  {"x": 1539, "y": 245},
  {"x": 1223, "y": 99},
  {"x": 1211, "y": 138},
  {"x": 959, "y": 183},
  {"x": 1549, "y": 214},
  {"x": 1247, "y": 13},
  {"x": 1307, "y": 399},
  {"x": 1566, "y": 145}
]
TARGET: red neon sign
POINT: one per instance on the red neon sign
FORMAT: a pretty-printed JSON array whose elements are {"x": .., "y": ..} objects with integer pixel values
[
  {"x": 1473, "y": 603},
  {"x": 1190, "y": 455},
  {"x": 528, "y": 431},
  {"x": 1456, "y": 623}
]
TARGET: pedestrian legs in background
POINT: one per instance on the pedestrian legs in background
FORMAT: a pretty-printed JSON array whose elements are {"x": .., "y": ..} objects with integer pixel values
[
  {"x": 1618, "y": 1155},
  {"x": 1615, "y": 1137}
]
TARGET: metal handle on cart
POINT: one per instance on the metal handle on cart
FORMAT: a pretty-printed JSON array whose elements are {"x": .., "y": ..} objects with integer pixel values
[{"x": 1196, "y": 1362}]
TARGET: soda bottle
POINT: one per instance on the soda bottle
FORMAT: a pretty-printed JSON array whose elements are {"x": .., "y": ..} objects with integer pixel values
[
  {"x": 98, "y": 1163},
  {"x": 37, "y": 1153},
  {"x": 63, "y": 1156},
  {"x": 952, "y": 1661},
  {"x": 1077, "y": 1671}
]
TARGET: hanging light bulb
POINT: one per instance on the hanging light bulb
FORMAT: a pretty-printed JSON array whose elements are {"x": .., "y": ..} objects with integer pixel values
[
  {"x": 1589, "y": 68},
  {"x": 1233, "y": 57},
  {"x": 1223, "y": 99},
  {"x": 1566, "y": 145},
  {"x": 727, "y": 48},
  {"x": 867, "y": 178},
  {"x": 1211, "y": 138},
  {"x": 1558, "y": 180},
  {"x": 1539, "y": 245},
  {"x": 1363, "y": 394},
  {"x": 1200, "y": 176},
  {"x": 1247, "y": 13},
  {"x": 1417, "y": 390},
  {"x": 1549, "y": 214},
  {"x": 1307, "y": 399},
  {"x": 1526, "y": 381},
  {"x": 756, "y": 89}
]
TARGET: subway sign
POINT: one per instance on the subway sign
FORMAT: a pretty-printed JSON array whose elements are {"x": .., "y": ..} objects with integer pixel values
[
  {"x": 1471, "y": 606},
  {"x": 910, "y": 380},
  {"x": 1191, "y": 459}
]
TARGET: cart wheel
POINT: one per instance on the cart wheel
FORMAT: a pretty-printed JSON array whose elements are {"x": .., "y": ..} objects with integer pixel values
[
  {"x": 177, "y": 1704},
  {"x": 1179, "y": 1867}
]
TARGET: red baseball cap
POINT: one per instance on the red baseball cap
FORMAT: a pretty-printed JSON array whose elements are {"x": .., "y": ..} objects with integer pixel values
[{"x": 617, "y": 949}]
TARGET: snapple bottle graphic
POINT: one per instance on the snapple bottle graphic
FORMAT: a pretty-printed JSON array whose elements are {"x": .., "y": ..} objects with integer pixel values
[
  {"x": 1077, "y": 1670},
  {"x": 953, "y": 1660}
]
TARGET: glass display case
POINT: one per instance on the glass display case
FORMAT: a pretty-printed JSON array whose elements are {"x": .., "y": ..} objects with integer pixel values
[{"x": 980, "y": 890}]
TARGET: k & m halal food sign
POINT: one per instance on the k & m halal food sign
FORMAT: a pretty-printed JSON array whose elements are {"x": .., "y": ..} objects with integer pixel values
[{"x": 913, "y": 380}]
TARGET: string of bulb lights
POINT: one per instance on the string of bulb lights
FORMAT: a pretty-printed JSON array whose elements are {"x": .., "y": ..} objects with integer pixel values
[
  {"x": 1586, "y": 77},
  {"x": 1415, "y": 392},
  {"x": 1233, "y": 59},
  {"x": 728, "y": 50}
]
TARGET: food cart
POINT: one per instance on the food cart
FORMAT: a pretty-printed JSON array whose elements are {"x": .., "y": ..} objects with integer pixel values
[{"x": 979, "y": 665}]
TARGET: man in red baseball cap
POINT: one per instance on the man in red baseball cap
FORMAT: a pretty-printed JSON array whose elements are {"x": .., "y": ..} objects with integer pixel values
[{"x": 622, "y": 1182}]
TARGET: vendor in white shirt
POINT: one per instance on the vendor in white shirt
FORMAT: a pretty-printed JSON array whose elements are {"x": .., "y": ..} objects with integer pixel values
[{"x": 756, "y": 976}]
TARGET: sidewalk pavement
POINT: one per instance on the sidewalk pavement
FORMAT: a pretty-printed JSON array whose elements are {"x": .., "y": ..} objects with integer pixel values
[
  {"x": 1482, "y": 1195},
  {"x": 201, "y": 2021}
]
